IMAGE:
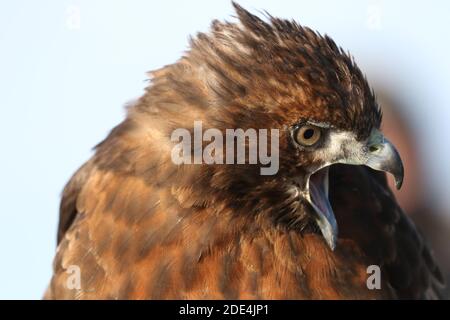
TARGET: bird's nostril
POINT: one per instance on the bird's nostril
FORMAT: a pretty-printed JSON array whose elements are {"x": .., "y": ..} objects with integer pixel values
[{"x": 374, "y": 148}]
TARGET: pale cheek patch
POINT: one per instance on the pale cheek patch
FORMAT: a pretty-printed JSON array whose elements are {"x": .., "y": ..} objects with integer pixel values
[{"x": 339, "y": 144}]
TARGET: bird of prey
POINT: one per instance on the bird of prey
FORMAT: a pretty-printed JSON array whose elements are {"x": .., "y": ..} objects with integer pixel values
[{"x": 136, "y": 225}]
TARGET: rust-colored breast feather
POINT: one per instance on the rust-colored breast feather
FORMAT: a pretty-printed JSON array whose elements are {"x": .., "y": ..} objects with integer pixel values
[
  {"x": 138, "y": 226},
  {"x": 135, "y": 240}
]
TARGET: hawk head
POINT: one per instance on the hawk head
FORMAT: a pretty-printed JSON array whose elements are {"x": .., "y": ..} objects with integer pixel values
[{"x": 268, "y": 75}]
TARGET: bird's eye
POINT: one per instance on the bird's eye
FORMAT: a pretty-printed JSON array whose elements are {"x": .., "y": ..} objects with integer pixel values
[{"x": 308, "y": 135}]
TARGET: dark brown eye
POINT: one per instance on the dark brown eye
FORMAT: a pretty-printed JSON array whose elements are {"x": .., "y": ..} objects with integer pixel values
[{"x": 308, "y": 135}]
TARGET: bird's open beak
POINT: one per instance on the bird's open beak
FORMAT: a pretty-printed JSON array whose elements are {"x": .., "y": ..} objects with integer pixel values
[{"x": 376, "y": 152}]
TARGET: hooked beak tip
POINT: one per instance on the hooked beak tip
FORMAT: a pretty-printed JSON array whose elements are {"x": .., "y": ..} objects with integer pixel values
[
  {"x": 383, "y": 156},
  {"x": 399, "y": 181}
]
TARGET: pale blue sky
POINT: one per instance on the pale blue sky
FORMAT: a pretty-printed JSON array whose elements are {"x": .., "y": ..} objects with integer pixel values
[{"x": 64, "y": 82}]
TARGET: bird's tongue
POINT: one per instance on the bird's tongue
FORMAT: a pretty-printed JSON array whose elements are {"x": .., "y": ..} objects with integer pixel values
[{"x": 318, "y": 189}]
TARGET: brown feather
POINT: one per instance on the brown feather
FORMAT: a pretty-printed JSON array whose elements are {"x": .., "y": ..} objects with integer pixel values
[{"x": 140, "y": 227}]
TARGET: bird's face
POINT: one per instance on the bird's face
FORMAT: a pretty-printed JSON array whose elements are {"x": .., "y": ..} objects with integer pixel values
[
  {"x": 314, "y": 93},
  {"x": 317, "y": 146},
  {"x": 280, "y": 75},
  {"x": 315, "y": 136}
]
